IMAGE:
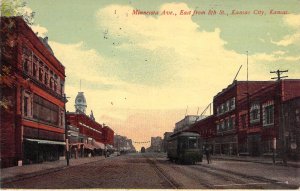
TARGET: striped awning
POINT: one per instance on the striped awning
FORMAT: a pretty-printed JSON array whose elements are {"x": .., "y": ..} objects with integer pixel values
[
  {"x": 88, "y": 146},
  {"x": 99, "y": 145},
  {"x": 40, "y": 141}
]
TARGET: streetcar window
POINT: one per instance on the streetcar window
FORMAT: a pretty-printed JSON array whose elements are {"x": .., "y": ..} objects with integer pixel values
[{"x": 192, "y": 143}]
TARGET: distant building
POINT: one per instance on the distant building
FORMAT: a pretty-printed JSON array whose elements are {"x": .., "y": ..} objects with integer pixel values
[
  {"x": 156, "y": 144},
  {"x": 123, "y": 144},
  {"x": 32, "y": 127},
  {"x": 91, "y": 136},
  {"x": 186, "y": 122},
  {"x": 165, "y": 141},
  {"x": 108, "y": 135}
]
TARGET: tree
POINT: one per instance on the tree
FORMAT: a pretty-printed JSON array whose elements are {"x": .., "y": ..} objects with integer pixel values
[{"x": 11, "y": 8}]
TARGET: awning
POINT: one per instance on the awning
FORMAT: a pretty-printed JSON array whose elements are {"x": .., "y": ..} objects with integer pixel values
[
  {"x": 109, "y": 146},
  {"x": 76, "y": 144},
  {"x": 99, "y": 145},
  {"x": 88, "y": 146},
  {"x": 39, "y": 141}
]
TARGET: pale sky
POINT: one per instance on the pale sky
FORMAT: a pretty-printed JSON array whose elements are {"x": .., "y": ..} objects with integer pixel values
[{"x": 140, "y": 73}]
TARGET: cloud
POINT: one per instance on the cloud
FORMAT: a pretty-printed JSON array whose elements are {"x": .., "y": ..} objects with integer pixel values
[
  {"x": 190, "y": 56},
  {"x": 288, "y": 39},
  {"x": 292, "y": 20}
]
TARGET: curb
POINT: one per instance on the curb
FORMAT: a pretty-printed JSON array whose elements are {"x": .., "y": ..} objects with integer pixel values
[{"x": 261, "y": 162}]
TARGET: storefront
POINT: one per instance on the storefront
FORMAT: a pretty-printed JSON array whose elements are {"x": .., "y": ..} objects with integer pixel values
[
  {"x": 37, "y": 150},
  {"x": 226, "y": 145}
]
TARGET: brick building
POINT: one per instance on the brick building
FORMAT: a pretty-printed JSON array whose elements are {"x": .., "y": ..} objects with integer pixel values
[
  {"x": 251, "y": 117},
  {"x": 90, "y": 139},
  {"x": 207, "y": 130},
  {"x": 108, "y": 135},
  {"x": 227, "y": 106},
  {"x": 267, "y": 108},
  {"x": 32, "y": 127}
]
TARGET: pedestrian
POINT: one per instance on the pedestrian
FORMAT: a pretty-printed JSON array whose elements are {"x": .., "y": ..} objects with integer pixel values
[{"x": 207, "y": 153}]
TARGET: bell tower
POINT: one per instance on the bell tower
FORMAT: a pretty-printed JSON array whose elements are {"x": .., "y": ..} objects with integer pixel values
[{"x": 80, "y": 103}]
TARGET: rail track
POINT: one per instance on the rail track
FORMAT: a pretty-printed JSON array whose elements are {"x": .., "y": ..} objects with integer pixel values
[
  {"x": 215, "y": 178},
  {"x": 161, "y": 173}
]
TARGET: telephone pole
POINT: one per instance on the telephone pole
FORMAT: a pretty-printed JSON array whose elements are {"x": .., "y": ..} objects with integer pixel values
[
  {"x": 279, "y": 72},
  {"x": 281, "y": 130}
]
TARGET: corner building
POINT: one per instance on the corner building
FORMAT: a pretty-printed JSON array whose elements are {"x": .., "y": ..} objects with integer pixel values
[{"x": 32, "y": 127}]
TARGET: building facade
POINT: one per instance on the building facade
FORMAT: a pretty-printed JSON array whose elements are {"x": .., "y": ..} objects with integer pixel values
[
  {"x": 156, "y": 144},
  {"x": 254, "y": 118},
  {"x": 32, "y": 127},
  {"x": 123, "y": 145},
  {"x": 186, "y": 122},
  {"x": 90, "y": 136}
]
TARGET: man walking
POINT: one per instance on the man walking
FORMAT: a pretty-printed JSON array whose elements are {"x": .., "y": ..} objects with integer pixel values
[{"x": 207, "y": 153}]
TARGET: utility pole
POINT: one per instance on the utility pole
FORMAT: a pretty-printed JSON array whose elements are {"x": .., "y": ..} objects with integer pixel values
[
  {"x": 66, "y": 130},
  {"x": 281, "y": 130}
]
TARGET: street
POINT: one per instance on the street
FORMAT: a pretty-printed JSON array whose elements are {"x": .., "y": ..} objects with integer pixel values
[{"x": 155, "y": 171}]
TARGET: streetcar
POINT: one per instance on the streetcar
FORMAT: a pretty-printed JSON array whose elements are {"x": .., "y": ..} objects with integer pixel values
[{"x": 185, "y": 147}]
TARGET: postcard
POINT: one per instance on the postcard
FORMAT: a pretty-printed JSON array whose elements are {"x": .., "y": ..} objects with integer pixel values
[{"x": 129, "y": 94}]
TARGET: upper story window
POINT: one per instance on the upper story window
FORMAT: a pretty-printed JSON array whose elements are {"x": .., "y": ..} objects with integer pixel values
[
  {"x": 232, "y": 103},
  {"x": 297, "y": 114},
  {"x": 268, "y": 113},
  {"x": 27, "y": 104},
  {"x": 255, "y": 113},
  {"x": 231, "y": 122},
  {"x": 226, "y": 106},
  {"x": 244, "y": 121}
]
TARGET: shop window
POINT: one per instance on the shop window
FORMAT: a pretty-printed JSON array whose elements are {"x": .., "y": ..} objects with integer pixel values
[
  {"x": 268, "y": 114},
  {"x": 254, "y": 113},
  {"x": 45, "y": 111}
]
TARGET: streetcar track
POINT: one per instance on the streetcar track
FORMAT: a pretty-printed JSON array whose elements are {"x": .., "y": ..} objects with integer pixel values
[
  {"x": 162, "y": 174},
  {"x": 193, "y": 177},
  {"x": 234, "y": 177},
  {"x": 256, "y": 178}
]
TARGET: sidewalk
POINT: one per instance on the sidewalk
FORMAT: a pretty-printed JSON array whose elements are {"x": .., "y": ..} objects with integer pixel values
[
  {"x": 22, "y": 172},
  {"x": 262, "y": 160}
]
